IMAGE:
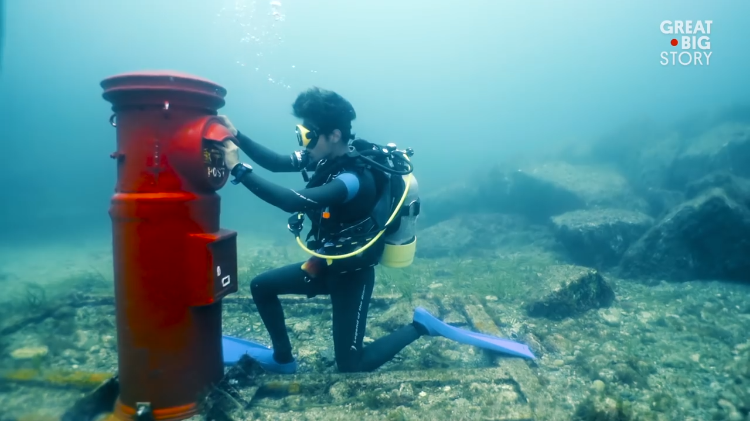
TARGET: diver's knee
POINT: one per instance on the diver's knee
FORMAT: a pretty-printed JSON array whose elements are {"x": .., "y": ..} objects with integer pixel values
[{"x": 256, "y": 285}]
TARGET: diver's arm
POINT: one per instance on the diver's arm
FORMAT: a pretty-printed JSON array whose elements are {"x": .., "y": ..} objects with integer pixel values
[
  {"x": 336, "y": 192},
  {"x": 265, "y": 157}
]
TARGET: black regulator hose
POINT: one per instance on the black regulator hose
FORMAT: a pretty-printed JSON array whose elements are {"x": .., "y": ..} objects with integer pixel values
[{"x": 409, "y": 169}]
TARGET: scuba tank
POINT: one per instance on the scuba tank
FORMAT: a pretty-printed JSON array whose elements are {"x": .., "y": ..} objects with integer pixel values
[{"x": 401, "y": 245}]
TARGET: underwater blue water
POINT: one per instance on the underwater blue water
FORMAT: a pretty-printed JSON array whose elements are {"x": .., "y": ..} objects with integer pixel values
[
  {"x": 468, "y": 85},
  {"x": 465, "y": 84}
]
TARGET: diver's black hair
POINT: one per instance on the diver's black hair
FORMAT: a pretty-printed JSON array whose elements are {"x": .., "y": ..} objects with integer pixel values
[{"x": 327, "y": 110}]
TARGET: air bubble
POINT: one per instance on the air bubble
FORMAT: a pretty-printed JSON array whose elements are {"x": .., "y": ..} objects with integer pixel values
[{"x": 258, "y": 25}]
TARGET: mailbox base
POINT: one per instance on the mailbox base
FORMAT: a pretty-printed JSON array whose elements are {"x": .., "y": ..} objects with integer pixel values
[{"x": 127, "y": 413}]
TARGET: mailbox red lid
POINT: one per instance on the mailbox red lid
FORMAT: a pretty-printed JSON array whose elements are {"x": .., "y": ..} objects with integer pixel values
[{"x": 161, "y": 85}]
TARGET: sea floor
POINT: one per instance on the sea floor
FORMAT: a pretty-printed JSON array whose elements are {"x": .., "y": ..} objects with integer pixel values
[{"x": 663, "y": 351}]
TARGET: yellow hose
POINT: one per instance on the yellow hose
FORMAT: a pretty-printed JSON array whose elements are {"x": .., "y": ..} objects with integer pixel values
[
  {"x": 74, "y": 379},
  {"x": 366, "y": 246}
]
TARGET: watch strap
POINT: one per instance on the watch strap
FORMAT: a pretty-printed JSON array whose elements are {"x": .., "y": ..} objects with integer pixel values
[{"x": 239, "y": 171}]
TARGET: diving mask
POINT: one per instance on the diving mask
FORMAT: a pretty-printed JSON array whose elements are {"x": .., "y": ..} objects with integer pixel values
[{"x": 307, "y": 138}]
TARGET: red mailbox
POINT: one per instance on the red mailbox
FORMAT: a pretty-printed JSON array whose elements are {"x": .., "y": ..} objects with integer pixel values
[{"x": 172, "y": 262}]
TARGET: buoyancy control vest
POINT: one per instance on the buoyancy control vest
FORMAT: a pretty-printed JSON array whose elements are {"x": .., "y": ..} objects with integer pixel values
[{"x": 391, "y": 219}]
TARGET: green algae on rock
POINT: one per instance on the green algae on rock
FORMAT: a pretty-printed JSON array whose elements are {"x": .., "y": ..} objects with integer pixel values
[
  {"x": 553, "y": 188},
  {"x": 736, "y": 188},
  {"x": 724, "y": 147},
  {"x": 599, "y": 237},
  {"x": 468, "y": 234},
  {"x": 704, "y": 238},
  {"x": 570, "y": 290}
]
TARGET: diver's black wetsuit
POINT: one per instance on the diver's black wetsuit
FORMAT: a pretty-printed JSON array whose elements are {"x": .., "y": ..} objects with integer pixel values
[{"x": 349, "y": 281}]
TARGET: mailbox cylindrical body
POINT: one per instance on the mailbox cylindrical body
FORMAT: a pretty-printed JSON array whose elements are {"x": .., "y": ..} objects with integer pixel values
[{"x": 172, "y": 262}]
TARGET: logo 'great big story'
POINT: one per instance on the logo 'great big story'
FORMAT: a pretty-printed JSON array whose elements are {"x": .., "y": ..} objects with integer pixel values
[{"x": 695, "y": 37}]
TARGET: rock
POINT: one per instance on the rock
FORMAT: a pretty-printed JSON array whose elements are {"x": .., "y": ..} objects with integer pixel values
[
  {"x": 339, "y": 391},
  {"x": 611, "y": 316},
  {"x": 736, "y": 188},
  {"x": 569, "y": 291},
  {"x": 661, "y": 201},
  {"x": 29, "y": 352},
  {"x": 546, "y": 190},
  {"x": 302, "y": 328},
  {"x": 641, "y": 151},
  {"x": 535, "y": 191},
  {"x": 598, "y": 386},
  {"x": 728, "y": 406},
  {"x": 704, "y": 238},
  {"x": 109, "y": 341},
  {"x": 735, "y": 416},
  {"x": 448, "y": 202},
  {"x": 739, "y": 367},
  {"x": 645, "y": 317},
  {"x": 395, "y": 316},
  {"x": 598, "y": 238},
  {"x": 465, "y": 234},
  {"x": 723, "y": 148},
  {"x": 604, "y": 408}
]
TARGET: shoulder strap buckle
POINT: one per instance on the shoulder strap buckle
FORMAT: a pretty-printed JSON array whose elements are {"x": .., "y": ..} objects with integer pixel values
[{"x": 295, "y": 223}]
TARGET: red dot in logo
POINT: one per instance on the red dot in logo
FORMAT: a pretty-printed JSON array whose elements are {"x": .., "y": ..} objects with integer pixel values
[{"x": 674, "y": 43}]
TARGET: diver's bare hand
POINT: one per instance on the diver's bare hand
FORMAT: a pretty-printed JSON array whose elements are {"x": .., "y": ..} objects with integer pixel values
[
  {"x": 231, "y": 154},
  {"x": 225, "y": 121}
]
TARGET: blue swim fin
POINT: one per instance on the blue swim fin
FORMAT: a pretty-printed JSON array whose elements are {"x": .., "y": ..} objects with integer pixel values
[
  {"x": 234, "y": 348},
  {"x": 437, "y": 327}
]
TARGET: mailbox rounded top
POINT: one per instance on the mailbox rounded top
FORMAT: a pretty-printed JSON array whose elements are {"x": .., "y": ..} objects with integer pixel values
[{"x": 158, "y": 87}]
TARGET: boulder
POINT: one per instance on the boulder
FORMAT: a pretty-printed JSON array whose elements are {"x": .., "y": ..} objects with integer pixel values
[
  {"x": 723, "y": 148},
  {"x": 482, "y": 192},
  {"x": 550, "y": 189},
  {"x": 467, "y": 233},
  {"x": 568, "y": 291},
  {"x": 599, "y": 237},
  {"x": 642, "y": 150},
  {"x": 707, "y": 237},
  {"x": 661, "y": 201},
  {"x": 537, "y": 192},
  {"x": 736, "y": 188},
  {"x": 445, "y": 203}
]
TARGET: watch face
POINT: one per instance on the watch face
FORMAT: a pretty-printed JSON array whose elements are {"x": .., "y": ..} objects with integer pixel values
[{"x": 238, "y": 170}]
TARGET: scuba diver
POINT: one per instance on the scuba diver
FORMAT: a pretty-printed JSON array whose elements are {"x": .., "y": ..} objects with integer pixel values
[{"x": 356, "y": 202}]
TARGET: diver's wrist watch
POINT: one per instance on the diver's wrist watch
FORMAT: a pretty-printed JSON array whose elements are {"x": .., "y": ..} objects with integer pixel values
[{"x": 239, "y": 171}]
